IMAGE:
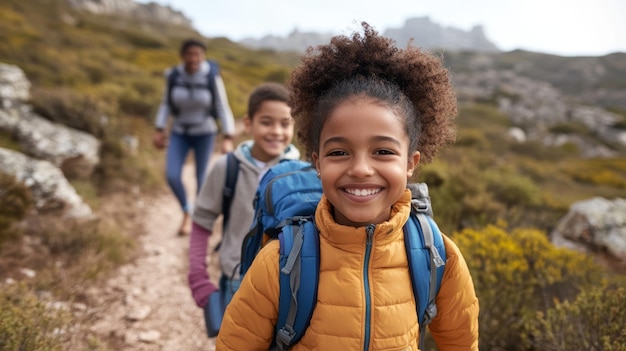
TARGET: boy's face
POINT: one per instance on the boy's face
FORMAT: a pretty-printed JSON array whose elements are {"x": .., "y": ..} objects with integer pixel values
[
  {"x": 363, "y": 161},
  {"x": 271, "y": 127}
]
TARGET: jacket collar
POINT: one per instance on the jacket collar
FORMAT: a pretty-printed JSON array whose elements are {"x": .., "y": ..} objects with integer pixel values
[{"x": 384, "y": 232}]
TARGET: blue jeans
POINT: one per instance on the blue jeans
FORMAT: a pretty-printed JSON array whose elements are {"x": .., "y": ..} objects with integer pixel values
[
  {"x": 229, "y": 287},
  {"x": 215, "y": 307},
  {"x": 177, "y": 150}
]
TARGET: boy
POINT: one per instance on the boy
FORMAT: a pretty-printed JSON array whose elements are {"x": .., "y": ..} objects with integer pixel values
[{"x": 271, "y": 126}]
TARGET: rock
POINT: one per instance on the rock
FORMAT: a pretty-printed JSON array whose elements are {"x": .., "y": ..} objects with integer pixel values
[
  {"x": 77, "y": 306},
  {"x": 537, "y": 107},
  {"x": 594, "y": 224},
  {"x": 517, "y": 134},
  {"x": 14, "y": 86},
  {"x": 51, "y": 191},
  {"x": 74, "y": 150},
  {"x": 138, "y": 313},
  {"x": 29, "y": 273},
  {"x": 149, "y": 336},
  {"x": 128, "y": 8}
]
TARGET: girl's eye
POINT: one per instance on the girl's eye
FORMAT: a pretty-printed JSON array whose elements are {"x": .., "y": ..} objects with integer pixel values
[
  {"x": 337, "y": 153},
  {"x": 385, "y": 152}
]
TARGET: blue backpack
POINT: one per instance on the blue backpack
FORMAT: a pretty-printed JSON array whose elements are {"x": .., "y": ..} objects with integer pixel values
[{"x": 285, "y": 204}]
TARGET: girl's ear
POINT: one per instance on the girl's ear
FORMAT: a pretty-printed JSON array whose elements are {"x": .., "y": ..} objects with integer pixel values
[
  {"x": 247, "y": 123},
  {"x": 413, "y": 161},
  {"x": 316, "y": 161}
]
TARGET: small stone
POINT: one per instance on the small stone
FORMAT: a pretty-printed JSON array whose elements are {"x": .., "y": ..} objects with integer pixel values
[
  {"x": 28, "y": 272},
  {"x": 138, "y": 313},
  {"x": 149, "y": 336}
]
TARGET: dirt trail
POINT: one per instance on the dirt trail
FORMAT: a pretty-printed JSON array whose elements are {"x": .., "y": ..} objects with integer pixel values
[{"x": 147, "y": 304}]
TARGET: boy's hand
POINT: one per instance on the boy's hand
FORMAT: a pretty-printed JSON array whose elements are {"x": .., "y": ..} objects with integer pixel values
[
  {"x": 197, "y": 276},
  {"x": 201, "y": 288}
]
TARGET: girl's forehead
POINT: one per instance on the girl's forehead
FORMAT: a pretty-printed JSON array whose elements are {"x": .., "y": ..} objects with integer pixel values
[{"x": 362, "y": 117}]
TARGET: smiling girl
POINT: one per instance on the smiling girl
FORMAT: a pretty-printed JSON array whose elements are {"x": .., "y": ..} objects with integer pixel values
[{"x": 367, "y": 113}]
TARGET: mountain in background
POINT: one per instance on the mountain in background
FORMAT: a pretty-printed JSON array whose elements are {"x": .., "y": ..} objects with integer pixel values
[
  {"x": 424, "y": 33},
  {"x": 428, "y": 34},
  {"x": 151, "y": 12}
]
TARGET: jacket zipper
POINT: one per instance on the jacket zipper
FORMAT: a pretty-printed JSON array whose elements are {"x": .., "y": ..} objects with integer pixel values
[{"x": 369, "y": 229}]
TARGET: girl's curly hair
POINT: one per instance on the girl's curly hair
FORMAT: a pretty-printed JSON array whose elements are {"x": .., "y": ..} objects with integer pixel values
[{"x": 413, "y": 83}]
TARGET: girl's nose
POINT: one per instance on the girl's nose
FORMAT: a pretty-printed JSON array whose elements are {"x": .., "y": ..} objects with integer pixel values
[{"x": 360, "y": 167}]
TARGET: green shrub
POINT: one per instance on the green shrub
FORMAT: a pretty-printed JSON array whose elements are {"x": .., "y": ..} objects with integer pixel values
[
  {"x": 75, "y": 239},
  {"x": 621, "y": 123},
  {"x": 473, "y": 138},
  {"x": 538, "y": 151},
  {"x": 513, "y": 190},
  {"x": 278, "y": 75},
  {"x": 15, "y": 202},
  {"x": 8, "y": 141},
  {"x": 27, "y": 324},
  {"x": 570, "y": 128},
  {"x": 482, "y": 116},
  {"x": 70, "y": 108},
  {"x": 593, "y": 321},
  {"x": 459, "y": 196},
  {"x": 517, "y": 274},
  {"x": 605, "y": 171}
]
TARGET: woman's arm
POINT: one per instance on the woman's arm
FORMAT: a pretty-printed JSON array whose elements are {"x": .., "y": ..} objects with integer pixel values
[
  {"x": 225, "y": 115},
  {"x": 160, "y": 120}
]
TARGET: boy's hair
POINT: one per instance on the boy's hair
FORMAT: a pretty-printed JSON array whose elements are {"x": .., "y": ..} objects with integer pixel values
[
  {"x": 413, "y": 83},
  {"x": 269, "y": 91},
  {"x": 191, "y": 43}
]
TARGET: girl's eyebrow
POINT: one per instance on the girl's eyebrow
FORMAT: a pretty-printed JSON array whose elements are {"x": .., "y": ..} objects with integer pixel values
[{"x": 377, "y": 138}]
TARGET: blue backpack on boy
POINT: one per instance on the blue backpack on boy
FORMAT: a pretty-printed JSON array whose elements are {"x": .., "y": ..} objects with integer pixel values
[{"x": 285, "y": 204}]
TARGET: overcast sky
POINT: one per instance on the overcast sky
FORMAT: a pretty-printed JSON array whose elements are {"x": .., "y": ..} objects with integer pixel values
[{"x": 561, "y": 27}]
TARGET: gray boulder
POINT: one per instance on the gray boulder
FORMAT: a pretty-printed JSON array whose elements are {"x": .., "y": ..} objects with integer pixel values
[
  {"x": 62, "y": 146},
  {"x": 14, "y": 86},
  {"x": 51, "y": 191},
  {"x": 76, "y": 152},
  {"x": 597, "y": 224}
]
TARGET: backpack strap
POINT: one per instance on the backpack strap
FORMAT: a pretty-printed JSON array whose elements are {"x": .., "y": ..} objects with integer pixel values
[
  {"x": 211, "y": 85},
  {"x": 424, "y": 246},
  {"x": 232, "y": 173},
  {"x": 228, "y": 193},
  {"x": 214, "y": 70},
  {"x": 172, "y": 78},
  {"x": 299, "y": 276}
]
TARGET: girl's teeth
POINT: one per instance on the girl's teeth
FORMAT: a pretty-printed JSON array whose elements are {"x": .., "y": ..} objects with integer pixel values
[{"x": 362, "y": 192}]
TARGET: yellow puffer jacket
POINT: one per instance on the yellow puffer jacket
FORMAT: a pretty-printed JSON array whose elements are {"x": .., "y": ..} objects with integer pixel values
[{"x": 340, "y": 320}]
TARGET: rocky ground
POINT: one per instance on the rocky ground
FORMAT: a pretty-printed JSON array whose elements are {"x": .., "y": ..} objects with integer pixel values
[{"x": 147, "y": 304}]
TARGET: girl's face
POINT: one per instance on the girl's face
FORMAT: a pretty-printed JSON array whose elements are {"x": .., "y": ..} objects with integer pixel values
[
  {"x": 363, "y": 161},
  {"x": 192, "y": 58}
]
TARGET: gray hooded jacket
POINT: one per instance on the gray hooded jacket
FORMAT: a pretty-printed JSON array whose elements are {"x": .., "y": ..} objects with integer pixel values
[{"x": 209, "y": 202}]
